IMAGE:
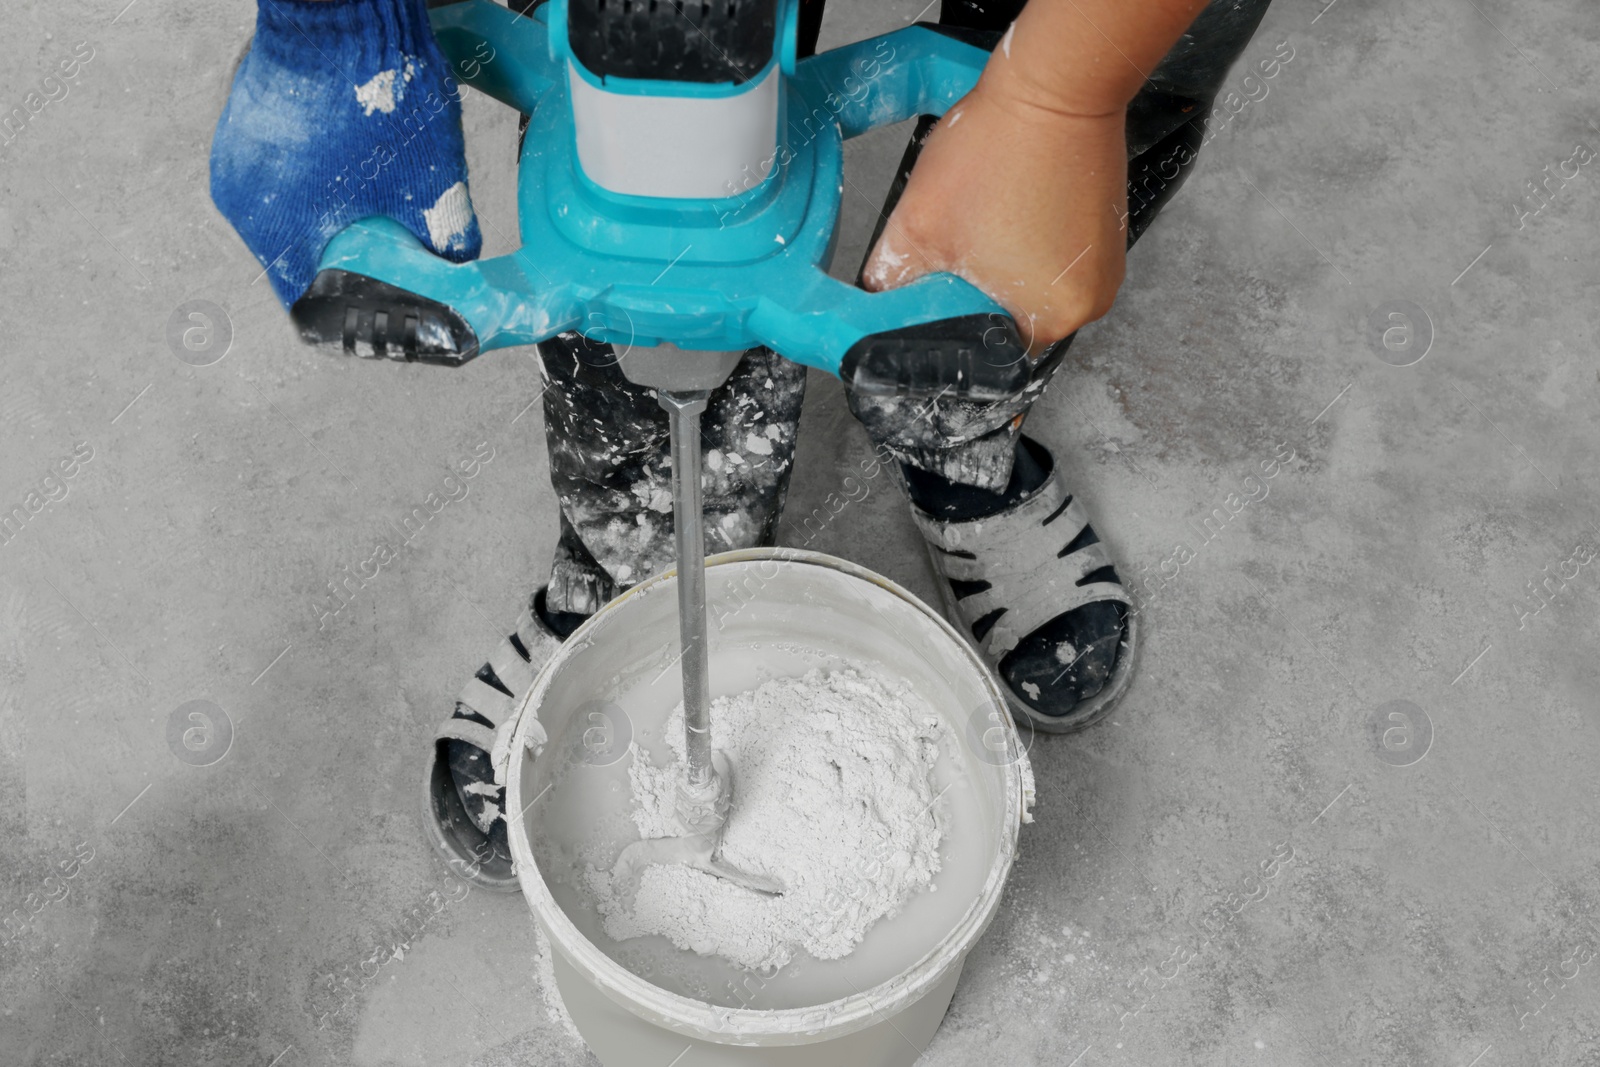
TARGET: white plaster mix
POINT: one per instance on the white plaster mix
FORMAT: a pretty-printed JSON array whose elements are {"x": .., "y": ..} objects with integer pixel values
[
  {"x": 449, "y": 218},
  {"x": 832, "y": 795},
  {"x": 377, "y": 94}
]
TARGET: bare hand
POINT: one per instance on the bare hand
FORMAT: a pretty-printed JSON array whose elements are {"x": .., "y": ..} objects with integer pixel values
[{"x": 1026, "y": 202}]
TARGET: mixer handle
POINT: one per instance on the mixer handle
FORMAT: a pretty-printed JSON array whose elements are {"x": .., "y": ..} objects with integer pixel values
[
  {"x": 380, "y": 293},
  {"x": 980, "y": 358},
  {"x": 973, "y": 355},
  {"x": 368, "y": 317}
]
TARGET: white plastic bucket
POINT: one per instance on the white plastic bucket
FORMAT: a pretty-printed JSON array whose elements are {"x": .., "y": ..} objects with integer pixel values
[{"x": 854, "y": 617}]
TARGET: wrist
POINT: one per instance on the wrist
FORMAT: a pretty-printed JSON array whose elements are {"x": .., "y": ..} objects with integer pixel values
[
  {"x": 1017, "y": 87},
  {"x": 1086, "y": 58},
  {"x": 296, "y": 32}
]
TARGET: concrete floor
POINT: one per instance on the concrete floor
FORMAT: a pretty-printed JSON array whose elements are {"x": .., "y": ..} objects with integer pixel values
[{"x": 1432, "y": 902}]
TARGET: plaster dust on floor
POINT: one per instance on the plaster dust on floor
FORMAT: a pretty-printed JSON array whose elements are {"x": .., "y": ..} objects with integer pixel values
[{"x": 833, "y": 796}]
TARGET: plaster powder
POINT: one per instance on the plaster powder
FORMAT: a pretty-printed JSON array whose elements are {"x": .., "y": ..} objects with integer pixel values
[
  {"x": 377, "y": 94},
  {"x": 832, "y": 795}
]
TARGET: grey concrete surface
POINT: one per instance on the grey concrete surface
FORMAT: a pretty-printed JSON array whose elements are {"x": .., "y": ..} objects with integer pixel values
[{"x": 1362, "y": 905}]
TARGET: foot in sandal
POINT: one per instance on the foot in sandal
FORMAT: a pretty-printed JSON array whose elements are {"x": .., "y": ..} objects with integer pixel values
[
  {"x": 1027, "y": 581},
  {"x": 464, "y": 799}
]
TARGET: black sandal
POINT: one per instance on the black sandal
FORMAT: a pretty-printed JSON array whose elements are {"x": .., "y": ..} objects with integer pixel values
[
  {"x": 1013, "y": 583},
  {"x": 464, "y": 788}
]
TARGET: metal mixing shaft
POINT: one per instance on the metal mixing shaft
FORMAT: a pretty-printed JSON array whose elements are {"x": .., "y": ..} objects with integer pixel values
[
  {"x": 688, "y": 519},
  {"x": 683, "y": 380}
]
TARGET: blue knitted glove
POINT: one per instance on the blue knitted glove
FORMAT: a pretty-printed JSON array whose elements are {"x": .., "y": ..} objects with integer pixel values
[{"x": 342, "y": 109}]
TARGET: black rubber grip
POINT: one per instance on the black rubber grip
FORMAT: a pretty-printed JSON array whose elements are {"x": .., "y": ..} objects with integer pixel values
[
  {"x": 674, "y": 40},
  {"x": 366, "y": 317},
  {"x": 979, "y": 358}
]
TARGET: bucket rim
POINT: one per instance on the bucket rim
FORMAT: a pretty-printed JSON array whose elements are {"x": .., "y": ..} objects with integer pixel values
[{"x": 711, "y": 1022}]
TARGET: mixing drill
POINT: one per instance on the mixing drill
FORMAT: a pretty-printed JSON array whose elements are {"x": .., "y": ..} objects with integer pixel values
[{"x": 678, "y": 197}]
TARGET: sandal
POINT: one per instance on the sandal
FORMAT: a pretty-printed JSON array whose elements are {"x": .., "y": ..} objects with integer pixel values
[
  {"x": 1011, "y": 581},
  {"x": 464, "y": 789}
]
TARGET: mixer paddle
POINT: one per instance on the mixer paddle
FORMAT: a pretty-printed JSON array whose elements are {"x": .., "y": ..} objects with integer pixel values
[{"x": 706, "y": 793}]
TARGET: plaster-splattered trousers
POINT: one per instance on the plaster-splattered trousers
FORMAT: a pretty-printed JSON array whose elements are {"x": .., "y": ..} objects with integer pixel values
[{"x": 608, "y": 441}]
